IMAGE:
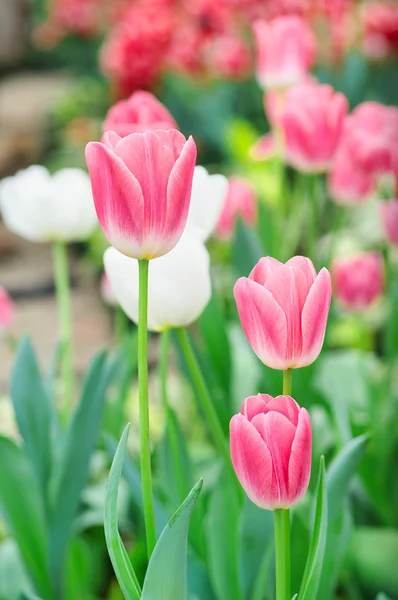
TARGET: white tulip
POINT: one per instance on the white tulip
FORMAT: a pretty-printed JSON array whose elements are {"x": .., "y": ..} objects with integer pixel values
[
  {"x": 207, "y": 199},
  {"x": 48, "y": 208},
  {"x": 179, "y": 285}
]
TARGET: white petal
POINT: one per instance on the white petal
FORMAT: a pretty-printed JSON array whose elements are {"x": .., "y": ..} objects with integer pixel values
[{"x": 208, "y": 194}]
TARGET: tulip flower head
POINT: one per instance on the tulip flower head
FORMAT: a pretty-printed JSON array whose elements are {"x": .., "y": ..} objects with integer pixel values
[
  {"x": 179, "y": 285},
  {"x": 271, "y": 442},
  {"x": 358, "y": 281},
  {"x": 312, "y": 123},
  {"x": 240, "y": 201},
  {"x": 140, "y": 112},
  {"x": 207, "y": 199},
  {"x": 48, "y": 208},
  {"x": 389, "y": 219},
  {"x": 142, "y": 189},
  {"x": 283, "y": 309},
  {"x": 285, "y": 51},
  {"x": 7, "y": 311}
]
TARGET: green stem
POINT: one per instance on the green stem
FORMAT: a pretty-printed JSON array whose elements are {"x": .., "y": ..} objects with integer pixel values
[
  {"x": 145, "y": 450},
  {"x": 282, "y": 553},
  {"x": 62, "y": 287},
  {"x": 287, "y": 382},
  {"x": 171, "y": 431},
  {"x": 204, "y": 397}
]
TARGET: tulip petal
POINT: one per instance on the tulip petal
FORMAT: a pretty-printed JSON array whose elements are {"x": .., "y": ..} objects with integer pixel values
[
  {"x": 285, "y": 405},
  {"x": 305, "y": 265},
  {"x": 118, "y": 199},
  {"x": 278, "y": 434},
  {"x": 300, "y": 457},
  {"x": 263, "y": 322},
  {"x": 314, "y": 317},
  {"x": 252, "y": 461},
  {"x": 110, "y": 139},
  {"x": 255, "y": 405},
  {"x": 264, "y": 268}
]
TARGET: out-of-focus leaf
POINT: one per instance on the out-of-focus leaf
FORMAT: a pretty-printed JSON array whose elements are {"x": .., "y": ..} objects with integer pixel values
[
  {"x": 79, "y": 570},
  {"x": 13, "y": 576},
  {"x": 246, "y": 368},
  {"x": 382, "y": 596},
  {"x": 198, "y": 580},
  {"x": 247, "y": 250},
  {"x": 74, "y": 465},
  {"x": 166, "y": 578},
  {"x": 372, "y": 557},
  {"x": 313, "y": 567},
  {"x": 339, "y": 532},
  {"x": 222, "y": 533},
  {"x": 22, "y": 508},
  {"x": 33, "y": 411},
  {"x": 121, "y": 563},
  {"x": 263, "y": 579},
  {"x": 29, "y": 596}
]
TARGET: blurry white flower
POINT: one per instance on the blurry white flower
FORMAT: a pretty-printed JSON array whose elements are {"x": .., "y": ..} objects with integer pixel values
[
  {"x": 47, "y": 208},
  {"x": 207, "y": 199},
  {"x": 179, "y": 285}
]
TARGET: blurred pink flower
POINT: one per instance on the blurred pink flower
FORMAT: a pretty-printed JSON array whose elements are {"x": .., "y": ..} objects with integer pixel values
[
  {"x": 240, "y": 201},
  {"x": 142, "y": 189},
  {"x": 229, "y": 56},
  {"x": 312, "y": 123},
  {"x": 283, "y": 309},
  {"x": 271, "y": 445},
  {"x": 380, "y": 24},
  {"x": 7, "y": 310},
  {"x": 358, "y": 281},
  {"x": 285, "y": 51},
  {"x": 389, "y": 219},
  {"x": 140, "y": 112}
]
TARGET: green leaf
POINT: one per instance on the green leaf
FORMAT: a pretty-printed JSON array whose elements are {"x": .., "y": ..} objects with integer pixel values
[
  {"x": 382, "y": 596},
  {"x": 22, "y": 508},
  {"x": 28, "y": 596},
  {"x": 33, "y": 411},
  {"x": 247, "y": 250},
  {"x": 313, "y": 567},
  {"x": 74, "y": 465},
  {"x": 222, "y": 532},
  {"x": 166, "y": 578},
  {"x": 121, "y": 563},
  {"x": 13, "y": 575}
]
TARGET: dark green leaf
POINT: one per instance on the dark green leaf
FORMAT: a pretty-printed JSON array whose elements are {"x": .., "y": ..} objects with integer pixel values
[{"x": 166, "y": 578}]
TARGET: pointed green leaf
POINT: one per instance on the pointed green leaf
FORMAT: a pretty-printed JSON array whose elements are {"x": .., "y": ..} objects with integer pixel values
[
  {"x": 33, "y": 411},
  {"x": 166, "y": 578},
  {"x": 22, "y": 508},
  {"x": 313, "y": 567},
  {"x": 121, "y": 563}
]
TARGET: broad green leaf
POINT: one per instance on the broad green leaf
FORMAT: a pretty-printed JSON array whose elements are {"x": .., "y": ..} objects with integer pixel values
[
  {"x": 22, "y": 508},
  {"x": 33, "y": 411},
  {"x": 247, "y": 250},
  {"x": 313, "y": 567},
  {"x": 13, "y": 575},
  {"x": 166, "y": 578},
  {"x": 340, "y": 472},
  {"x": 222, "y": 534},
  {"x": 78, "y": 570},
  {"x": 372, "y": 556},
  {"x": 72, "y": 472},
  {"x": 121, "y": 563},
  {"x": 339, "y": 533}
]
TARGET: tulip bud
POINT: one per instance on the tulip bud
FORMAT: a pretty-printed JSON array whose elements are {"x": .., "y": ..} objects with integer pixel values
[
  {"x": 240, "y": 201},
  {"x": 389, "y": 218},
  {"x": 207, "y": 199},
  {"x": 358, "y": 281},
  {"x": 140, "y": 112},
  {"x": 271, "y": 442},
  {"x": 7, "y": 311},
  {"x": 285, "y": 51},
  {"x": 179, "y": 286},
  {"x": 48, "y": 208},
  {"x": 312, "y": 123},
  {"x": 283, "y": 309},
  {"x": 142, "y": 188}
]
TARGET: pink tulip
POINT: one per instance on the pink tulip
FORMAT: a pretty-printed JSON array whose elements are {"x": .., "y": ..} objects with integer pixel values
[
  {"x": 140, "y": 112},
  {"x": 380, "y": 23},
  {"x": 283, "y": 309},
  {"x": 389, "y": 219},
  {"x": 348, "y": 182},
  {"x": 7, "y": 311},
  {"x": 142, "y": 188},
  {"x": 312, "y": 124},
  {"x": 271, "y": 443},
  {"x": 285, "y": 51},
  {"x": 240, "y": 201},
  {"x": 358, "y": 281}
]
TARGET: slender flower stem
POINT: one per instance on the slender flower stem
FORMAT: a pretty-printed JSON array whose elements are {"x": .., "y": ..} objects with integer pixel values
[
  {"x": 287, "y": 382},
  {"x": 62, "y": 287},
  {"x": 170, "y": 426},
  {"x": 282, "y": 553},
  {"x": 286, "y": 549},
  {"x": 204, "y": 396},
  {"x": 145, "y": 450}
]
